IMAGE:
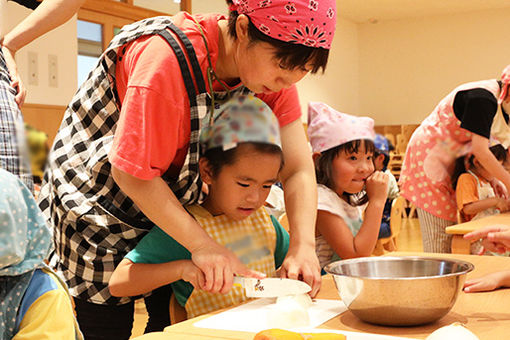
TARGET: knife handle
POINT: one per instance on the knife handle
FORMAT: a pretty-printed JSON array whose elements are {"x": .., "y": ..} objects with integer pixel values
[{"x": 239, "y": 281}]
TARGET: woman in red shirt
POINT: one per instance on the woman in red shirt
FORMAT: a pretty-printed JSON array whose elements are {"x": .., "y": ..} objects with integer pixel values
[{"x": 126, "y": 155}]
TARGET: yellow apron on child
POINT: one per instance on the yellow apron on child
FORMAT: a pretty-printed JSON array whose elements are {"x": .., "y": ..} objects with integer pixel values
[{"x": 252, "y": 239}]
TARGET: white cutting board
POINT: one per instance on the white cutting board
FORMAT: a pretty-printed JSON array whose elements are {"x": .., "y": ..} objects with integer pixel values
[{"x": 252, "y": 316}]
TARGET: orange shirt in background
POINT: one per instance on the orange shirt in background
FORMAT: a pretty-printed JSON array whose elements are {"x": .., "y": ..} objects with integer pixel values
[{"x": 466, "y": 192}]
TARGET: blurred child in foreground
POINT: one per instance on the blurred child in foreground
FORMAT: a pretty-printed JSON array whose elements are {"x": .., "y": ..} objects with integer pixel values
[{"x": 34, "y": 302}]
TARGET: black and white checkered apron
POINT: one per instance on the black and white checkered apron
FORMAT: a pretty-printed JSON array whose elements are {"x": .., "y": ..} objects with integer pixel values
[
  {"x": 95, "y": 223},
  {"x": 13, "y": 152}
]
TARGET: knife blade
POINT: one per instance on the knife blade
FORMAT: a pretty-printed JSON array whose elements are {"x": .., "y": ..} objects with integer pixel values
[{"x": 271, "y": 287}]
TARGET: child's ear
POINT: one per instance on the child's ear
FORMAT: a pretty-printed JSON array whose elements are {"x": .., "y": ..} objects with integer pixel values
[
  {"x": 315, "y": 156},
  {"x": 205, "y": 170}
]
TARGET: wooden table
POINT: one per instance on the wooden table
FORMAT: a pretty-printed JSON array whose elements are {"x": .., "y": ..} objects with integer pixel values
[
  {"x": 486, "y": 314},
  {"x": 462, "y": 246}
]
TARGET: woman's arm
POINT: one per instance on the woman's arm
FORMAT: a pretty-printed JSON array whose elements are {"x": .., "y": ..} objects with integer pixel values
[
  {"x": 131, "y": 279},
  {"x": 47, "y": 16},
  {"x": 300, "y": 192},
  {"x": 160, "y": 205},
  {"x": 487, "y": 159}
]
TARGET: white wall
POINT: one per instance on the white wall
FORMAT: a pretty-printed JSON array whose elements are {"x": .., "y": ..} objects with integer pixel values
[
  {"x": 393, "y": 71},
  {"x": 61, "y": 42},
  {"x": 209, "y": 6},
  {"x": 165, "y": 6},
  {"x": 339, "y": 85},
  {"x": 197, "y": 6},
  {"x": 407, "y": 66}
]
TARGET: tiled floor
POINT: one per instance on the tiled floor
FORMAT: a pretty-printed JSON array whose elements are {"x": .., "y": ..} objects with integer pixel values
[{"x": 408, "y": 240}]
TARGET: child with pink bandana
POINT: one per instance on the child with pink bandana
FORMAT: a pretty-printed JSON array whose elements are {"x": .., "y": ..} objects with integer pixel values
[{"x": 343, "y": 147}]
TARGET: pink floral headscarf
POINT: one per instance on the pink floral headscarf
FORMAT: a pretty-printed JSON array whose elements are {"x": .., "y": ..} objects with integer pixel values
[
  {"x": 505, "y": 79},
  {"x": 328, "y": 128},
  {"x": 307, "y": 22}
]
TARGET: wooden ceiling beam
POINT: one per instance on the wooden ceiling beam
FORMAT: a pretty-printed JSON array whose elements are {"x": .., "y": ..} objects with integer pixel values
[{"x": 121, "y": 9}]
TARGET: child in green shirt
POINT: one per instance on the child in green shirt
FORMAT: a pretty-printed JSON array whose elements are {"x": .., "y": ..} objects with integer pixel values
[{"x": 241, "y": 159}]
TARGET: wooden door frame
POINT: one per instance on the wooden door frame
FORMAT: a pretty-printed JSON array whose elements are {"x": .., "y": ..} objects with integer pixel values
[
  {"x": 112, "y": 14},
  {"x": 127, "y": 10}
]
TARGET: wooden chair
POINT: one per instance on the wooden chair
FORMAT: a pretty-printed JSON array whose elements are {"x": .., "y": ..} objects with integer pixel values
[
  {"x": 459, "y": 217},
  {"x": 284, "y": 221},
  {"x": 390, "y": 138},
  {"x": 401, "y": 145},
  {"x": 177, "y": 312},
  {"x": 395, "y": 164},
  {"x": 396, "y": 217},
  {"x": 412, "y": 210},
  {"x": 408, "y": 130}
]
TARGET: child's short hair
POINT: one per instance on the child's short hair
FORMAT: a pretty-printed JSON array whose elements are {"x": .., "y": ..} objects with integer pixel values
[
  {"x": 324, "y": 169},
  {"x": 497, "y": 150},
  {"x": 218, "y": 158}
]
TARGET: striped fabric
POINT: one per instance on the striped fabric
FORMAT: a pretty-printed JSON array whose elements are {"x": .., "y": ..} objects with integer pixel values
[
  {"x": 434, "y": 237},
  {"x": 323, "y": 250}
]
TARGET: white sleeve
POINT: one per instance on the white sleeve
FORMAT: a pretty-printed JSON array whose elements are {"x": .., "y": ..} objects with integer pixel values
[
  {"x": 329, "y": 201},
  {"x": 392, "y": 186}
]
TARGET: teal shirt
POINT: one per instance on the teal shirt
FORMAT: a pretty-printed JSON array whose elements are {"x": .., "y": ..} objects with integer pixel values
[{"x": 158, "y": 247}]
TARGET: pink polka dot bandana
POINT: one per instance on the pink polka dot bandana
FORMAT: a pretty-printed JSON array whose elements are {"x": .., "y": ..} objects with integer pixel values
[
  {"x": 328, "y": 128},
  {"x": 306, "y": 22},
  {"x": 505, "y": 79}
]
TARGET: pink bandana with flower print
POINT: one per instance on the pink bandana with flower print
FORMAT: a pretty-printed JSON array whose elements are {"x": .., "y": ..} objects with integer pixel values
[
  {"x": 306, "y": 22},
  {"x": 328, "y": 128},
  {"x": 505, "y": 79}
]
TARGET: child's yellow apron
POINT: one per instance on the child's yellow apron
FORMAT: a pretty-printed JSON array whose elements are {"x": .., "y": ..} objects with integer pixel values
[{"x": 252, "y": 239}]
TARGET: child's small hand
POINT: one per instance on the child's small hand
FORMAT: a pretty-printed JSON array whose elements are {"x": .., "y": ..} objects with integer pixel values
[
  {"x": 499, "y": 188},
  {"x": 377, "y": 186},
  {"x": 486, "y": 283},
  {"x": 219, "y": 265},
  {"x": 502, "y": 204},
  {"x": 192, "y": 274},
  {"x": 488, "y": 246}
]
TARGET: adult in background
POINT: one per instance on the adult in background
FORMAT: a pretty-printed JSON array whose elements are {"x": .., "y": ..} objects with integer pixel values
[
  {"x": 46, "y": 16},
  {"x": 463, "y": 122},
  {"x": 126, "y": 155}
]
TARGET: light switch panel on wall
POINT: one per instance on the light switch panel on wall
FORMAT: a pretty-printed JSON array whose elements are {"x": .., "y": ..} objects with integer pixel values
[
  {"x": 52, "y": 70},
  {"x": 33, "y": 71}
]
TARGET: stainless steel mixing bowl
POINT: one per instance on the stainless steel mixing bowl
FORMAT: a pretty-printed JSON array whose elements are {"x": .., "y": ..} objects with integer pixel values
[{"x": 399, "y": 291}]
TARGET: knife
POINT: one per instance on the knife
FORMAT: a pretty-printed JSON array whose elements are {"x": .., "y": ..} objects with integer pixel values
[{"x": 271, "y": 287}]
